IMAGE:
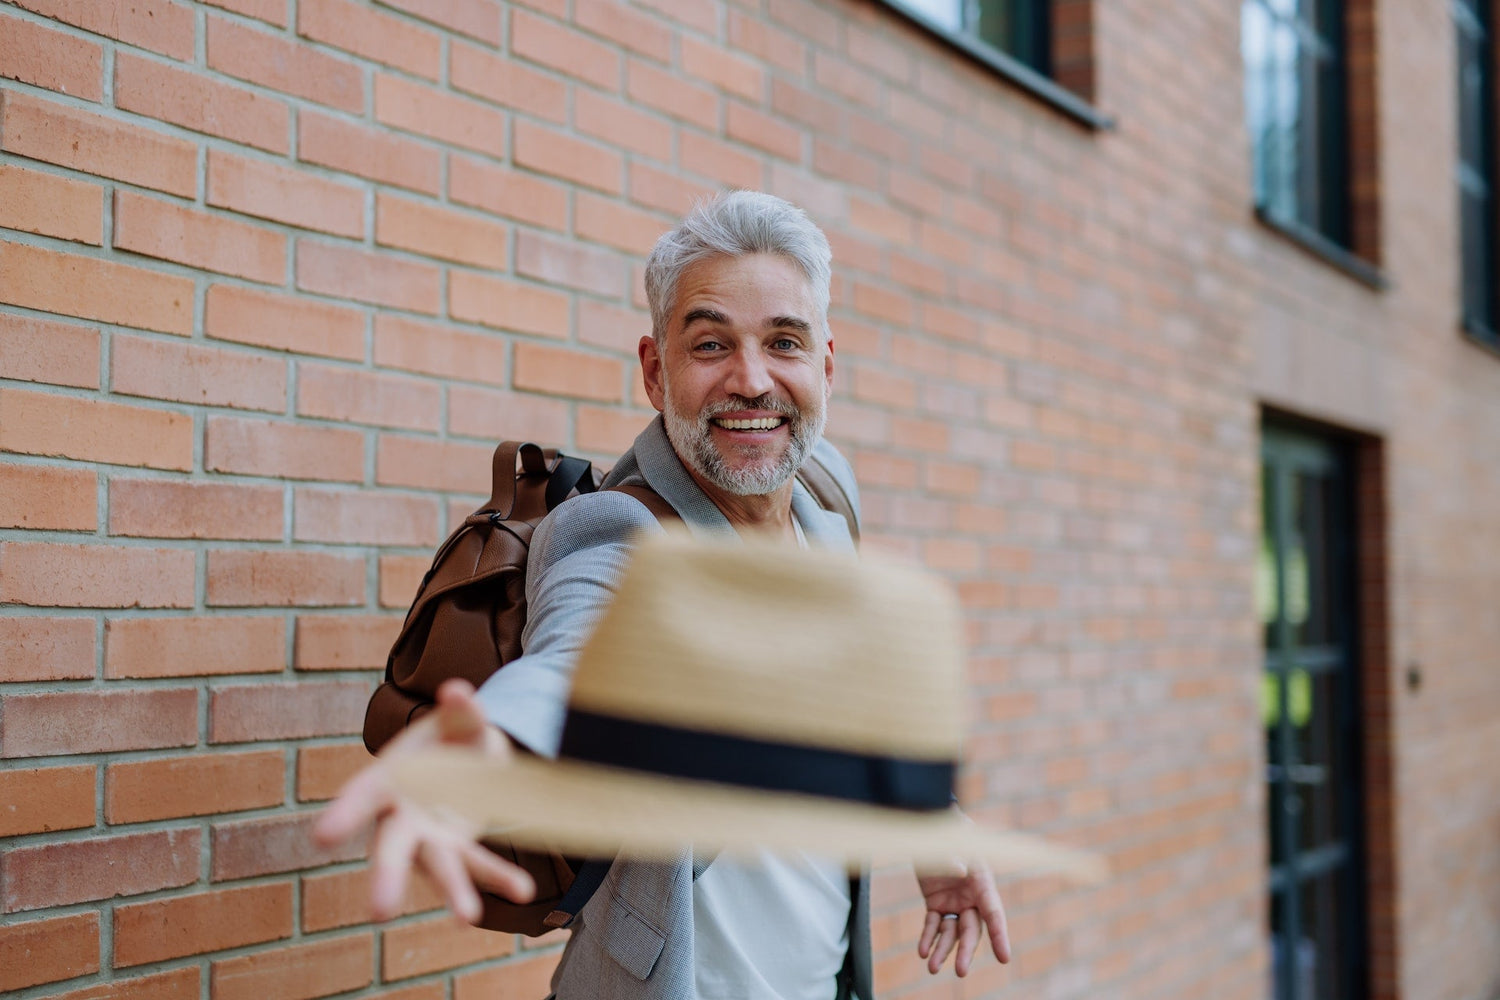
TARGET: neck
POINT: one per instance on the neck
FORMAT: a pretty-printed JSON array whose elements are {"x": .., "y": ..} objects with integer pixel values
[{"x": 765, "y": 515}]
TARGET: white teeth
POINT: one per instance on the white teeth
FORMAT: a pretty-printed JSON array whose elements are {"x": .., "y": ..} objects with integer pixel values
[{"x": 760, "y": 424}]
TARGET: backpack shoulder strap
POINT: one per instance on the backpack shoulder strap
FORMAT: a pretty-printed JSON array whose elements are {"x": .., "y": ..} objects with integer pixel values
[
  {"x": 651, "y": 500},
  {"x": 825, "y": 488}
]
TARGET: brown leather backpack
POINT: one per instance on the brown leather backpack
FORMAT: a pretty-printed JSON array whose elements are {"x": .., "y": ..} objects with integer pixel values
[{"x": 466, "y": 621}]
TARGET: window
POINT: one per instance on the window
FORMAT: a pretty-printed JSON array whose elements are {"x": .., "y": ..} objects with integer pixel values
[
  {"x": 1298, "y": 114},
  {"x": 1045, "y": 46},
  {"x": 1476, "y": 166}
]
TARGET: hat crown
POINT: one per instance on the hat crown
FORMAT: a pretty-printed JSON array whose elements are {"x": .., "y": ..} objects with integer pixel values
[{"x": 803, "y": 647}]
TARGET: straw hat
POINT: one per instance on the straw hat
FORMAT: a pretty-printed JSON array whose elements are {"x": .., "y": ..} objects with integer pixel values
[{"x": 744, "y": 697}]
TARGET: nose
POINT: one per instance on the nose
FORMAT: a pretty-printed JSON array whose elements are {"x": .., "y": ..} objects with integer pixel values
[{"x": 748, "y": 376}]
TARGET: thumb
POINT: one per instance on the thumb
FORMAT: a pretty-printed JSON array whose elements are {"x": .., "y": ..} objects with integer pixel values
[{"x": 459, "y": 717}]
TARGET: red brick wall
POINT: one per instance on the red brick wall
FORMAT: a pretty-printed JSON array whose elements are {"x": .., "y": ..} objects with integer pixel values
[{"x": 275, "y": 274}]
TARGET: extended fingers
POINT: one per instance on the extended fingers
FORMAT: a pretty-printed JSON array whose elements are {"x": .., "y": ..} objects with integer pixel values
[
  {"x": 968, "y": 940},
  {"x": 993, "y": 912},
  {"x": 494, "y": 874},
  {"x": 391, "y": 861},
  {"x": 929, "y": 933},
  {"x": 947, "y": 937}
]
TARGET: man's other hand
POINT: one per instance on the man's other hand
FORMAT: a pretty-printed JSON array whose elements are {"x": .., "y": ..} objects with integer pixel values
[
  {"x": 442, "y": 846},
  {"x": 968, "y": 891}
]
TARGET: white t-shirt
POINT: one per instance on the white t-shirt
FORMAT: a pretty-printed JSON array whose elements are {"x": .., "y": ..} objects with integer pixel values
[{"x": 770, "y": 927}]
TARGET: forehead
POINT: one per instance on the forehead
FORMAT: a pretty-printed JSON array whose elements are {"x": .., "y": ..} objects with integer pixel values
[{"x": 747, "y": 288}]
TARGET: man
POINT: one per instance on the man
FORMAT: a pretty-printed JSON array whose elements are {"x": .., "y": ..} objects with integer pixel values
[{"x": 740, "y": 366}]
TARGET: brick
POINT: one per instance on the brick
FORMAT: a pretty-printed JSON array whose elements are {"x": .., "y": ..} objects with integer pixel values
[
  {"x": 433, "y": 349},
  {"x": 35, "y": 54},
  {"x": 207, "y": 921},
  {"x": 609, "y": 431},
  {"x": 880, "y": 303},
  {"x": 399, "y": 579},
  {"x": 208, "y": 376},
  {"x": 341, "y": 899},
  {"x": 284, "y": 322},
  {"x": 434, "y": 465},
  {"x": 507, "y": 193},
  {"x": 344, "y": 642},
  {"x": 846, "y": 165},
  {"x": 48, "y": 951},
  {"x": 512, "y": 981},
  {"x": 142, "y": 791},
  {"x": 213, "y": 107},
  {"x": 565, "y": 372},
  {"x": 625, "y": 26},
  {"x": 75, "y": 722},
  {"x": 35, "y": 202},
  {"x": 504, "y": 81},
  {"x": 439, "y": 115},
  {"x": 432, "y": 945},
  {"x": 193, "y": 647},
  {"x": 664, "y": 191},
  {"x": 155, "y": 228},
  {"x": 251, "y": 847},
  {"x": 718, "y": 161},
  {"x": 700, "y": 14},
  {"x": 368, "y": 152},
  {"x": 476, "y": 18},
  {"x": 283, "y": 578},
  {"x": 292, "y": 710},
  {"x": 272, "y": 12},
  {"x": 806, "y": 106},
  {"x": 611, "y": 327},
  {"x": 354, "y": 517},
  {"x": 94, "y": 430},
  {"x": 507, "y": 305},
  {"x": 175, "y": 509},
  {"x": 283, "y": 450},
  {"x": 284, "y": 194},
  {"x": 77, "y": 871},
  {"x": 299, "y": 972},
  {"x": 357, "y": 396},
  {"x": 371, "y": 34},
  {"x": 277, "y": 62},
  {"x": 563, "y": 262},
  {"x": 755, "y": 128},
  {"x": 346, "y": 273},
  {"x": 162, "y": 26},
  {"x": 46, "y": 649},
  {"x": 435, "y": 231},
  {"x": 667, "y": 92},
  {"x": 617, "y": 123},
  {"x": 564, "y": 49},
  {"x": 723, "y": 69},
  {"x": 44, "y": 799},
  {"x": 323, "y": 770},
  {"x": 95, "y": 144},
  {"x": 784, "y": 50},
  {"x": 40, "y": 350},
  {"x": 564, "y": 156},
  {"x": 178, "y": 984},
  {"x": 488, "y": 413},
  {"x": 48, "y": 498},
  {"x": 95, "y": 576},
  {"x": 90, "y": 288}
]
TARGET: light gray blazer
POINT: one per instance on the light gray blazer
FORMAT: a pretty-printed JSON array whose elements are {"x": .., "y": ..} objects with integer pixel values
[{"x": 634, "y": 939}]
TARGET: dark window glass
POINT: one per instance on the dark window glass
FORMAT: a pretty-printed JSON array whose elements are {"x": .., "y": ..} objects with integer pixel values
[
  {"x": 1019, "y": 28},
  {"x": 1295, "y": 105},
  {"x": 1476, "y": 163}
]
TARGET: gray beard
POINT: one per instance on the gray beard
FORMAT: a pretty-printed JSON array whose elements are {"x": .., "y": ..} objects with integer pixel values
[{"x": 692, "y": 439}]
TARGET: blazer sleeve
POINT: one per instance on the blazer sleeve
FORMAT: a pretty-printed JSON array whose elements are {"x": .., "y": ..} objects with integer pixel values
[{"x": 576, "y": 557}]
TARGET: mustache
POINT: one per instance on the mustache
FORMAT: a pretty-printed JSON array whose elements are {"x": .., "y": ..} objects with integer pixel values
[{"x": 765, "y": 401}]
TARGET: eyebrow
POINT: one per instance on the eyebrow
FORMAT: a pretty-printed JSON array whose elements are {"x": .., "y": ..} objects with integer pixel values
[
  {"x": 703, "y": 312},
  {"x": 774, "y": 323}
]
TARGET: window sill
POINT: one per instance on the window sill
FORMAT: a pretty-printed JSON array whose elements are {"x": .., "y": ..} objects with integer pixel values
[
  {"x": 1482, "y": 337},
  {"x": 1325, "y": 250},
  {"x": 1012, "y": 70}
]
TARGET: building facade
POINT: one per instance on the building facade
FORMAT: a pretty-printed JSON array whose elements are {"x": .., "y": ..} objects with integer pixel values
[{"x": 1165, "y": 330}]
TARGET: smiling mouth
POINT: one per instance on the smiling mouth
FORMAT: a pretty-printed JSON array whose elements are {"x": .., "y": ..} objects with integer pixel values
[{"x": 757, "y": 424}]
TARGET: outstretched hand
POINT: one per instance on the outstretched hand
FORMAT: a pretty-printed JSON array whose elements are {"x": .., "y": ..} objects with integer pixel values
[
  {"x": 968, "y": 891},
  {"x": 443, "y": 846}
]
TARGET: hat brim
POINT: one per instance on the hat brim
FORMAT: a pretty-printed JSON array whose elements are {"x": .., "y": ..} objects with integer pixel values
[{"x": 593, "y": 811}]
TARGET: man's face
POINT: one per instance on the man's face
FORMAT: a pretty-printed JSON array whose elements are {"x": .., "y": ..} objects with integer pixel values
[{"x": 743, "y": 374}]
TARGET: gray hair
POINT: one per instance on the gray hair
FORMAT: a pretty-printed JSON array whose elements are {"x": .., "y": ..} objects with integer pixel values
[{"x": 736, "y": 224}]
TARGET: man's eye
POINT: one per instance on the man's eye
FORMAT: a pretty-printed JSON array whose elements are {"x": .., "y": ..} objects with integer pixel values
[
  {"x": 786, "y": 344},
  {"x": 708, "y": 346}
]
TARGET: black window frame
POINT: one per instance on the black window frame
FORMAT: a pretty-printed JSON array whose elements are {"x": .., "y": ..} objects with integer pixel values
[
  {"x": 1306, "y": 194},
  {"x": 1035, "y": 81},
  {"x": 1476, "y": 170}
]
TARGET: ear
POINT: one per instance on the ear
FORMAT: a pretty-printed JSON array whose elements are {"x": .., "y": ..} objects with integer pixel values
[
  {"x": 828, "y": 370},
  {"x": 651, "y": 375}
]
